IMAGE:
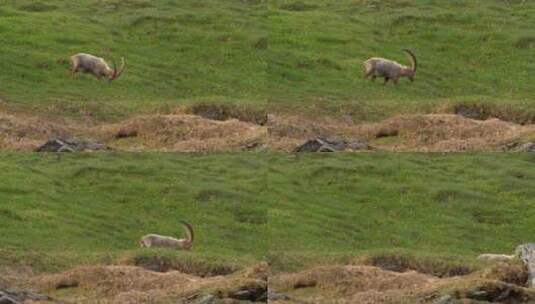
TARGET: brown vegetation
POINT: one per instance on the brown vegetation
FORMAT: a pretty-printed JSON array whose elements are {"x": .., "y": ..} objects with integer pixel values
[
  {"x": 502, "y": 283},
  {"x": 418, "y": 132},
  {"x": 228, "y": 130},
  {"x": 354, "y": 283},
  {"x": 131, "y": 284}
]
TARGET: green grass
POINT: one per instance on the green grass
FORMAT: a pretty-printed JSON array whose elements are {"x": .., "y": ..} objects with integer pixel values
[
  {"x": 466, "y": 49},
  {"x": 93, "y": 208},
  {"x": 290, "y": 55},
  {"x": 334, "y": 207},
  {"x": 176, "y": 51},
  {"x": 246, "y": 207}
]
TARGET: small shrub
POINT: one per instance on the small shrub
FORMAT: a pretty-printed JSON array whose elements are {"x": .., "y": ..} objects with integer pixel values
[
  {"x": 224, "y": 112},
  {"x": 261, "y": 44},
  {"x": 401, "y": 262},
  {"x": 162, "y": 261},
  {"x": 526, "y": 42},
  {"x": 298, "y": 6},
  {"x": 38, "y": 7}
]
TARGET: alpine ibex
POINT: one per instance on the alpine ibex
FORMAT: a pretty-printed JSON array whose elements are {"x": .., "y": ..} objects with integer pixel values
[
  {"x": 155, "y": 240},
  {"x": 95, "y": 65},
  {"x": 389, "y": 69}
]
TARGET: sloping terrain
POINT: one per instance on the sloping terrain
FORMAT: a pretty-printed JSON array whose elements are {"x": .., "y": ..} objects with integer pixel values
[
  {"x": 71, "y": 222},
  {"x": 61, "y": 211},
  {"x": 292, "y": 56},
  {"x": 223, "y": 76},
  {"x": 460, "y": 204},
  {"x": 176, "y": 52}
]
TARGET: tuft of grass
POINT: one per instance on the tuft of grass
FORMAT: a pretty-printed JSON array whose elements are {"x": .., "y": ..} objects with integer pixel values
[
  {"x": 224, "y": 111},
  {"x": 203, "y": 265},
  {"x": 298, "y": 6},
  {"x": 38, "y": 7},
  {"x": 439, "y": 266},
  {"x": 482, "y": 110},
  {"x": 525, "y": 42}
]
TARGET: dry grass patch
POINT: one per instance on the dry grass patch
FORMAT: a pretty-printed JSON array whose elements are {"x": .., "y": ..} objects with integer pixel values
[
  {"x": 435, "y": 266},
  {"x": 178, "y": 131},
  {"x": 500, "y": 283},
  {"x": 187, "y": 265},
  {"x": 21, "y": 132},
  {"x": 181, "y": 132},
  {"x": 419, "y": 132},
  {"x": 227, "y": 111},
  {"x": 131, "y": 284}
]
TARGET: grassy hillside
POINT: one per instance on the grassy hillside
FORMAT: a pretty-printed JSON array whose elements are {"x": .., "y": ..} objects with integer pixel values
[
  {"x": 176, "y": 51},
  {"x": 92, "y": 208},
  {"x": 292, "y": 54},
  {"x": 433, "y": 204},
  {"x": 474, "y": 50}
]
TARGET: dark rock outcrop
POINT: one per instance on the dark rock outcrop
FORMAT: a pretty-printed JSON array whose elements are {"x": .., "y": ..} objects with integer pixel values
[
  {"x": 16, "y": 296},
  {"x": 70, "y": 145},
  {"x": 331, "y": 145}
]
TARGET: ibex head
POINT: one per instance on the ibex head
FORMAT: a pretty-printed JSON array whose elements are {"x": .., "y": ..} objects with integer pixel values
[{"x": 117, "y": 72}]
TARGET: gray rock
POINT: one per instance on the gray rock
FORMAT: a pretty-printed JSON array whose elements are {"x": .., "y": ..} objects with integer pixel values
[
  {"x": 243, "y": 295},
  {"x": 17, "y": 296},
  {"x": 447, "y": 299},
  {"x": 7, "y": 300},
  {"x": 209, "y": 299},
  {"x": 70, "y": 145},
  {"x": 274, "y": 296},
  {"x": 526, "y": 252},
  {"x": 477, "y": 294},
  {"x": 331, "y": 145},
  {"x": 528, "y": 147}
]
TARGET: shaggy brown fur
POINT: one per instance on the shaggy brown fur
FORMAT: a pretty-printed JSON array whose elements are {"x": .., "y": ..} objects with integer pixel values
[
  {"x": 95, "y": 65},
  {"x": 389, "y": 69},
  {"x": 156, "y": 240}
]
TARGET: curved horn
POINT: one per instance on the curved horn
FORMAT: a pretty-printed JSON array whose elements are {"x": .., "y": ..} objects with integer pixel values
[
  {"x": 114, "y": 75},
  {"x": 118, "y": 73},
  {"x": 189, "y": 231},
  {"x": 414, "y": 63}
]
